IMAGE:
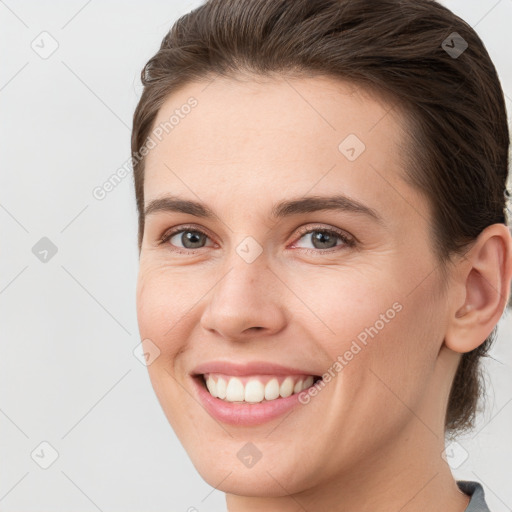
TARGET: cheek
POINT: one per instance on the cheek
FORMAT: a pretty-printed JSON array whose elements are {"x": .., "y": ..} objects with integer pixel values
[
  {"x": 162, "y": 319},
  {"x": 161, "y": 316},
  {"x": 347, "y": 304},
  {"x": 378, "y": 308},
  {"x": 382, "y": 344},
  {"x": 163, "y": 301}
]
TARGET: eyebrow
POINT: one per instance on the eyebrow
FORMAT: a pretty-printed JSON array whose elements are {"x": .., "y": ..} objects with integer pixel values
[{"x": 282, "y": 209}]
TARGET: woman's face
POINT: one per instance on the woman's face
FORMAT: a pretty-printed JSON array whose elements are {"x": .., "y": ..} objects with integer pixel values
[{"x": 274, "y": 289}]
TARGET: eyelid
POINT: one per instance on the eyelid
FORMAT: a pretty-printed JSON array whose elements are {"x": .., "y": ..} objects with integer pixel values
[{"x": 330, "y": 229}]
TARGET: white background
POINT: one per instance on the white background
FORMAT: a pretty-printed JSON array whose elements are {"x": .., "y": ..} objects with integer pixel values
[{"x": 67, "y": 372}]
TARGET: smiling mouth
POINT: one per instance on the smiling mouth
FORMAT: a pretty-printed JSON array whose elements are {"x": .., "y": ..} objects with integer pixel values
[{"x": 257, "y": 388}]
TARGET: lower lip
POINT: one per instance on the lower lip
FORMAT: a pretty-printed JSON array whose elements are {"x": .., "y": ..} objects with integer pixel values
[{"x": 244, "y": 414}]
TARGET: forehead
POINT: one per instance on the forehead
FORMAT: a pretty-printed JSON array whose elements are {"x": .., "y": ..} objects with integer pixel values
[{"x": 275, "y": 138}]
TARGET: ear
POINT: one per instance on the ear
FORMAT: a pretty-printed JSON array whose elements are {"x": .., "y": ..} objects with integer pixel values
[{"x": 482, "y": 287}]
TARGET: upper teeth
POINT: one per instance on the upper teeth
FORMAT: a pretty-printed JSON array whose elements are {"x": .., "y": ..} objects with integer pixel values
[{"x": 254, "y": 390}]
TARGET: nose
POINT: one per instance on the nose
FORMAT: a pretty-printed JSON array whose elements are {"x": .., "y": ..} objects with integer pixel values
[{"x": 247, "y": 301}]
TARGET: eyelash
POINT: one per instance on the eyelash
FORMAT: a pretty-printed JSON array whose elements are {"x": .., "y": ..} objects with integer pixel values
[{"x": 347, "y": 240}]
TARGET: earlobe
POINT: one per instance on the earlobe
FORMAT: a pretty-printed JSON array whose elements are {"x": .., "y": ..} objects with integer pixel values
[{"x": 485, "y": 274}]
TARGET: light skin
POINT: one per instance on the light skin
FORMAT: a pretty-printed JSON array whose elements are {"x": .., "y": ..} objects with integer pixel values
[{"x": 372, "y": 439}]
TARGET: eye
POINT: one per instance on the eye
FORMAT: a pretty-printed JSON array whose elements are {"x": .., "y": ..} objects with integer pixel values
[
  {"x": 325, "y": 239},
  {"x": 189, "y": 237}
]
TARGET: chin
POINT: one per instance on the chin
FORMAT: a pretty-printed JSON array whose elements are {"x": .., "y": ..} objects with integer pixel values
[{"x": 277, "y": 473}]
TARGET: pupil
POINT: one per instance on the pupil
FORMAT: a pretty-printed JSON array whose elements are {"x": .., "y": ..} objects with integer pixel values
[
  {"x": 323, "y": 238},
  {"x": 192, "y": 237}
]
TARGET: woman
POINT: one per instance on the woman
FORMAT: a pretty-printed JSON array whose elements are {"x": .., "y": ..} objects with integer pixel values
[{"x": 324, "y": 253}]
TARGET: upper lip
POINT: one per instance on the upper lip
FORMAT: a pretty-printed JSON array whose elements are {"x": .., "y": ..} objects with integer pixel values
[{"x": 248, "y": 368}]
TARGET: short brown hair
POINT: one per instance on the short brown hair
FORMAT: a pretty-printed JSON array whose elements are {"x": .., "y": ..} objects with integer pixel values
[{"x": 453, "y": 105}]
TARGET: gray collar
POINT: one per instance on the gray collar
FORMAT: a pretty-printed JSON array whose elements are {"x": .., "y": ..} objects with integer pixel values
[{"x": 476, "y": 492}]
